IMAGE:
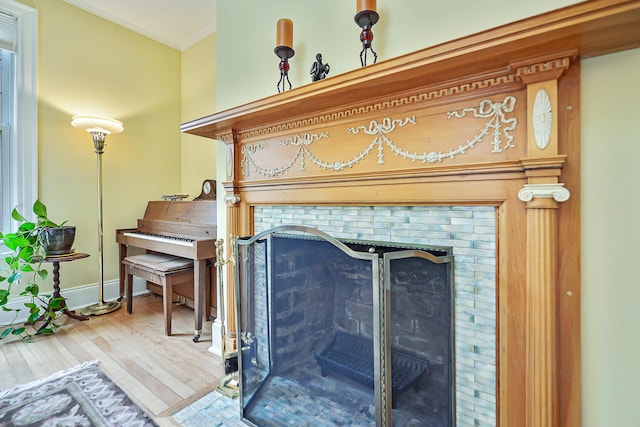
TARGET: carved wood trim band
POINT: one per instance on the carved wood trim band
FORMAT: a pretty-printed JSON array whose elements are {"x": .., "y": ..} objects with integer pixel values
[
  {"x": 414, "y": 99},
  {"x": 227, "y": 137},
  {"x": 498, "y": 126},
  {"x": 547, "y": 67}
]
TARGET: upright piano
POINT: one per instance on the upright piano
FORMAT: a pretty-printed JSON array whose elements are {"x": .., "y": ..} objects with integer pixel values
[{"x": 181, "y": 228}]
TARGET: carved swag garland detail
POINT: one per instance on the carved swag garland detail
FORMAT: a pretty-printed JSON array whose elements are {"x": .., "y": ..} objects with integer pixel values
[{"x": 498, "y": 123}]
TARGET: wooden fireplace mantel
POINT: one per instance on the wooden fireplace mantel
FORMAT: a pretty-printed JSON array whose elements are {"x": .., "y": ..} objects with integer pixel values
[
  {"x": 489, "y": 119},
  {"x": 591, "y": 28}
]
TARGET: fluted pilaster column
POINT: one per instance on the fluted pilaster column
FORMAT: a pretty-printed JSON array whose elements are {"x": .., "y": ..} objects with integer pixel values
[
  {"x": 541, "y": 293},
  {"x": 542, "y": 193},
  {"x": 233, "y": 224},
  {"x": 232, "y": 201}
]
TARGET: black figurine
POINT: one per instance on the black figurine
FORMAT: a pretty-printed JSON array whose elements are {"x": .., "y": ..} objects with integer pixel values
[{"x": 319, "y": 70}]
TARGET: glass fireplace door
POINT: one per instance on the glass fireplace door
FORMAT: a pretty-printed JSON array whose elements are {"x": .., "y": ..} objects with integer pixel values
[
  {"x": 253, "y": 309},
  {"x": 306, "y": 321},
  {"x": 343, "y": 332},
  {"x": 420, "y": 313}
]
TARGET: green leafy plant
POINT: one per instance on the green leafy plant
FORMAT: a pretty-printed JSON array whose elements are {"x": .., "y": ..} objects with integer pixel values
[{"x": 25, "y": 267}]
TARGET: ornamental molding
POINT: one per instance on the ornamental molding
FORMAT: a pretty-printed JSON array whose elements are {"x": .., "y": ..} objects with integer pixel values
[
  {"x": 301, "y": 141},
  {"x": 498, "y": 126},
  {"x": 227, "y": 137},
  {"x": 419, "y": 98},
  {"x": 540, "y": 67},
  {"x": 498, "y": 122},
  {"x": 232, "y": 199},
  {"x": 548, "y": 67},
  {"x": 229, "y": 163},
  {"x": 542, "y": 118},
  {"x": 380, "y": 133},
  {"x": 544, "y": 191}
]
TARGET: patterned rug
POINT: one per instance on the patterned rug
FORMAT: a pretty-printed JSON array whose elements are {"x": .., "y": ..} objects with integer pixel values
[{"x": 82, "y": 396}]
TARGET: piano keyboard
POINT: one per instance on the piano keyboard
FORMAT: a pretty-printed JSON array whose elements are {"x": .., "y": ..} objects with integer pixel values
[{"x": 165, "y": 239}]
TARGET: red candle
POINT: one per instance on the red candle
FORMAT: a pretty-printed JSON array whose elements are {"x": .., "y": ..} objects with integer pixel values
[
  {"x": 365, "y": 5},
  {"x": 284, "y": 33}
]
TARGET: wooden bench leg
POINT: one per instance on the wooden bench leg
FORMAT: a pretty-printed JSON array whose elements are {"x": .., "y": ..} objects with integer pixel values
[
  {"x": 167, "y": 299},
  {"x": 166, "y": 280},
  {"x": 207, "y": 294},
  {"x": 129, "y": 286}
]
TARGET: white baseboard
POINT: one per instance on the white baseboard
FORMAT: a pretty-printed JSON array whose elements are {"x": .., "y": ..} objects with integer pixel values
[
  {"x": 78, "y": 297},
  {"x": 216, "y": 338}
]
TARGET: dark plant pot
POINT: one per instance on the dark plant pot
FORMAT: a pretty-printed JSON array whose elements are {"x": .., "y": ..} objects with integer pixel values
[{"x": 59, "y": 241}]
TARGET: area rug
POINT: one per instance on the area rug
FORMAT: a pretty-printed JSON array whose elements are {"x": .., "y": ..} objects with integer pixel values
[{"x": 82, "y": 396}]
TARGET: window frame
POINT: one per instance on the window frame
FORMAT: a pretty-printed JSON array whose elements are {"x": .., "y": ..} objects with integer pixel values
[{"x": 22, "y": 185}]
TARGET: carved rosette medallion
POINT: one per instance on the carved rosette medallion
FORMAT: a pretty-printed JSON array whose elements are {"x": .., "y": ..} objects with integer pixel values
[
  {"x": 229, "y": 163},
  {"x": 542, "y": 119}
]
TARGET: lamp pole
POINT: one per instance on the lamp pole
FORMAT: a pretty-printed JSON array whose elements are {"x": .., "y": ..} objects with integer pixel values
[{"x": 99, "y": 128}]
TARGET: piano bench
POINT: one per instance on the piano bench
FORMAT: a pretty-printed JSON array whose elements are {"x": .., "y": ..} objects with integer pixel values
[{"x": 161, "y": 269}]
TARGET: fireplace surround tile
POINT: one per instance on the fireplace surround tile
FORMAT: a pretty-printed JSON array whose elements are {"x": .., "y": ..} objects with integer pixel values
[{"x": 471, "y": 232}]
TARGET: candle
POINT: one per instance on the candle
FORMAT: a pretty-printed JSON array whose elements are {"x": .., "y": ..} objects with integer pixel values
[
  {"x": 365, "y": 5},
  {"x": 284, "y": 34}
]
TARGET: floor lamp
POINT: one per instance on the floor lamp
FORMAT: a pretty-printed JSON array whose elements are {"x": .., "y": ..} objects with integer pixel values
[{"x": 99, "y": 128}]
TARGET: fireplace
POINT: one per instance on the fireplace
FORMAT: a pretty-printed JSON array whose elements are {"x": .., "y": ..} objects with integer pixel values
[
  {"x": 489, "y": 121},
  {"x": 338, "y": 331},
  {"x": 471, "y": 233}
]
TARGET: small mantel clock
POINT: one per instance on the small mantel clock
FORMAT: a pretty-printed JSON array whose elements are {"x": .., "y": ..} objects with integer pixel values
[{"x": 208, "y": 190}]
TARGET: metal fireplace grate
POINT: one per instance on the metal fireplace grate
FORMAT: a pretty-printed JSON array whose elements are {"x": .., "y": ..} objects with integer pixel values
[{"x": 351, "y": 356}]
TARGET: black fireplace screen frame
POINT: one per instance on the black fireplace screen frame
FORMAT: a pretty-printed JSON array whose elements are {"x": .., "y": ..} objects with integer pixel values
[{"x": 380, "y": 262}]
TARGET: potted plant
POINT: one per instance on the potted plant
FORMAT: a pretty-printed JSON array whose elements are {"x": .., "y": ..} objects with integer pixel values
[{"x": 30, "y": 244}]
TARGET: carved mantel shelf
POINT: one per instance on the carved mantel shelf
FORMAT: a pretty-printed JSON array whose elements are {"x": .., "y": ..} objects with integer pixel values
[
  {"x": 591, "y": 28},
  {"x": 489, "y": 119}
]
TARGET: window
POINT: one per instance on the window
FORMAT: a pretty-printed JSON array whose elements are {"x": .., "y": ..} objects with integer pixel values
[
  {"x": 7, "y": 90},
  {"x": 18, "y": 109}
]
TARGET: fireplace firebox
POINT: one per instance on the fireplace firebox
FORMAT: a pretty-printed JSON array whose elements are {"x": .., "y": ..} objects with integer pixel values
[{"x": 344, "y": 332}]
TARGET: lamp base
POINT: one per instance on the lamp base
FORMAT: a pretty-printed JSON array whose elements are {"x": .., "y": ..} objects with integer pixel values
[{"x": 100, "y": 308}]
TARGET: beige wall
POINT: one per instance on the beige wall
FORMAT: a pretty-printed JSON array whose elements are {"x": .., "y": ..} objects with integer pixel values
[
  {"x": 87, "y": 65},
  {"x": 246, "y": 32},
  {"x": 198, "y": 100},
  {"x": 610, "y": 237},
  {"x": 247, "y": 70}
]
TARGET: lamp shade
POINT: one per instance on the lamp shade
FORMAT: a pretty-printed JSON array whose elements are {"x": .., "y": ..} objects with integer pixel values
[{"x": 97, "y": 124}]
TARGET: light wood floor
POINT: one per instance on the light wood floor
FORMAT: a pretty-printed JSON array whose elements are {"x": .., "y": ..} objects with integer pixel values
[{"x": 161, "y": 374}]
